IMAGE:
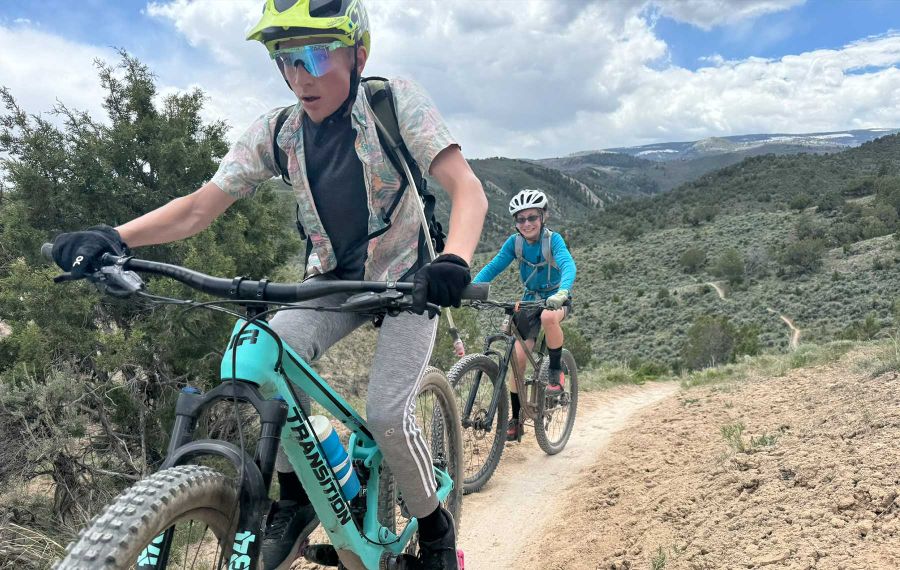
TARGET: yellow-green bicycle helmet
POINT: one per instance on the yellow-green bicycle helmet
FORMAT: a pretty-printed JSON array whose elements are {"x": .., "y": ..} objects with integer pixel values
[{"x": 342, "y": 20}]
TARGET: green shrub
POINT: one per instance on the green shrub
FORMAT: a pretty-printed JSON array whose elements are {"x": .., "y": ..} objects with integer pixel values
[
  {"x": 631, "y": 231},
  {"x": 830, "y": 202},
  {"x": 576, "y": 343},
  {"x": 610, "y": 269},
  {"x": 803, "y": 256},
  {"x": 729, "y": 266},
  {"x": 863, "y": 187},
  {"x": 862, "y": 330},
  {"x": 692, "y": 260},
  {"x": 710, "y": 342},
  {"x": 800, "y": 201},
  {"x": 746, "y": 341}
]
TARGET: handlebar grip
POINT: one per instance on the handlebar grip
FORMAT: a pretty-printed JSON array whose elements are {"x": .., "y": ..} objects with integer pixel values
[
  {"x": 476, "y": 292},
  {"x": 47, "y": 251}
]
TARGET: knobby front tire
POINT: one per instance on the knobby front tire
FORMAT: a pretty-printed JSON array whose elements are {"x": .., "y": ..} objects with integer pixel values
[
  {"x": 198, "y": 500},
  {"x": 482, "y": 446},
  {"x": 556, "y": 413}
]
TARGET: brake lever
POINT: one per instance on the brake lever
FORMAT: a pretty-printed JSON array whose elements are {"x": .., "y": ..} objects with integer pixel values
[
  {"x": 63, "y": 277},
  {"x": 371, "y": 301},
  {"x": 114, "y": 280}
]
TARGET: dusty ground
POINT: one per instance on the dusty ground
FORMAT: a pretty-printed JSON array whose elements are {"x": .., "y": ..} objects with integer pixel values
[
  {"x": 816, "y": 485},
  {"x": 510, "y": 511},
  {"x": 527, "y": 479},
  {"x": 807, "y": 477}
]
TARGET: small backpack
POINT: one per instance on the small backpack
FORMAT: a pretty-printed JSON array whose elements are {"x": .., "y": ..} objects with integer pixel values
[
  {"x": 378, "y": 93},
  {"x": 546, "y": 254}
]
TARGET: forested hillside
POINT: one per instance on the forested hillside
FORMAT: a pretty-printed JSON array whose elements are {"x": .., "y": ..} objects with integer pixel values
[{"x": 805, "y": 236}]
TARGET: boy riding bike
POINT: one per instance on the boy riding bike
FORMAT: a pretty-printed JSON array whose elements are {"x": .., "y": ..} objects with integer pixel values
[
  {"x": 548, "y": 272},
  {"x": 344, "y": 186}
]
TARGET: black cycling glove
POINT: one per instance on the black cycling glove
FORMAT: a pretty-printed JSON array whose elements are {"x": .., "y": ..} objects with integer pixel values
[
  {"x": 80, "y": 252},
  {"x": 441, "y": 282}
]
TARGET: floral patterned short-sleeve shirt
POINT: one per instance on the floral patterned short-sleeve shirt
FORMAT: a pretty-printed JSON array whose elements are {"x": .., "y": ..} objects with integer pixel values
[{"x": 250, "y": 162}]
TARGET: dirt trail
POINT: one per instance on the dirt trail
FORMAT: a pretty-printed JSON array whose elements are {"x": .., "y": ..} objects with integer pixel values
[
  {"x": 794, "y": 342},
  {"x": 795, "y": 332},
  {"x": 499, "y": 521},
  {"x": 795, "y": 470},
  {"x": 719, "y": 290}
]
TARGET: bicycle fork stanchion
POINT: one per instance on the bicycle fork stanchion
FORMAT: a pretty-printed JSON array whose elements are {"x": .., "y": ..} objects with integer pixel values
[
  {"x": 503, "y": 369},
  {"x": 470, "y": 401},
  {"x": 255, "y": 475}
]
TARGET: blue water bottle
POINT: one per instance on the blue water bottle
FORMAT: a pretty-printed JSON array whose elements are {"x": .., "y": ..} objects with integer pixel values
[{"x": 336, "y": 455}]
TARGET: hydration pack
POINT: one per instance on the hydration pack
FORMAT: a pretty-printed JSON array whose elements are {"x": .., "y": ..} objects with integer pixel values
[{"x": 547, "y": 260}]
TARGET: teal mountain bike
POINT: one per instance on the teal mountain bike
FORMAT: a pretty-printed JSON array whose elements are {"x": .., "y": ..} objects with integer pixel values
[{"x": 211, "y": 516}]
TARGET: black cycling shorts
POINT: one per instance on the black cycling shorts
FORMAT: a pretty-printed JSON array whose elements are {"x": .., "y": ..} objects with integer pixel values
[{"x": 528, "y": 320}]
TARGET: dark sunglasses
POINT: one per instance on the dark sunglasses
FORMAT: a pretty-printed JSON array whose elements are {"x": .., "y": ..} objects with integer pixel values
[{"x": 532, "y": 218}]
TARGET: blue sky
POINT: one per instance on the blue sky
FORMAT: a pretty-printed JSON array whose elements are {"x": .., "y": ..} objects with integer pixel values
[
  {"x": 809, "y": 26},
  {"x": 533, "y": 78}
]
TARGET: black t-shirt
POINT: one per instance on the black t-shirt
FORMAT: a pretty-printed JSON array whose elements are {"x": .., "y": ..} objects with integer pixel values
[{"x": 338, "y": 186}]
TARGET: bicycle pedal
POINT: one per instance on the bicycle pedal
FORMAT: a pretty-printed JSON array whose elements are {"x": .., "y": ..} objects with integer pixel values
[{"x": 322, "y": 554}]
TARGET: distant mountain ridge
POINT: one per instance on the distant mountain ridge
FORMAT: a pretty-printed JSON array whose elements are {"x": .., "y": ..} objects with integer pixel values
[
  {"x": 814, "y": 142},
  {"x": 585, "y": 183},
  {"x": 648, "y": 169}
]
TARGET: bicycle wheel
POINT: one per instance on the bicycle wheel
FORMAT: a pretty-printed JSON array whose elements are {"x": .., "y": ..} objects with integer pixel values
[
  {"x": 438, "y": 420},
  {"x": 556, "y": 412},
  {"x": 482, "y": 444},
  {"x": 199, "y": 501}
]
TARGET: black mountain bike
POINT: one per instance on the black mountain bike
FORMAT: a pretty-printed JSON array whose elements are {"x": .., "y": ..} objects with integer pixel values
[{"x": 480, "y": 384}]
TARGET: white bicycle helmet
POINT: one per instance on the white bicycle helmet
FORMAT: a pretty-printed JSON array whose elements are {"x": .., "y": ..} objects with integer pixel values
[{"x": 527, "y": 199}]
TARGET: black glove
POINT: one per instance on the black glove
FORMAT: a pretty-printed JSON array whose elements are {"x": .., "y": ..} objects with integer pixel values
[
  {"x": 441, "y": 282},
  {"x": 80, "y": 252}
]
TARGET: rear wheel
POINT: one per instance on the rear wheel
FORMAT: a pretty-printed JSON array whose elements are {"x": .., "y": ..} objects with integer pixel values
[
  {"x": 438, "y": 421},
  {"x": 475, "y": 377},
  {"x": 197, "y": 502},
  {"x": 556, "y": 411}
]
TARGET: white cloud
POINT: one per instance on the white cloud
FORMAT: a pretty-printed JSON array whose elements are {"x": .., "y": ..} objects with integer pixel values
[
  {"x": 526, "y": 78},
  {"x": 212, "y": 24},
  {"x": 707, "y": 14},
  {"x": 41, "y": 69}
]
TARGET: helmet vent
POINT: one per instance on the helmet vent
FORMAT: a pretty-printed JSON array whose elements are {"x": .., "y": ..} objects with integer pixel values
[
  {"x": 324, "y": 8},
  {"x": 282, "y": 5}
]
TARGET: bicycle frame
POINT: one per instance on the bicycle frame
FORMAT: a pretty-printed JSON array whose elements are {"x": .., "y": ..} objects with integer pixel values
[
  {"x": 259, "y": 369},
  {"x": 508, "y": 335}
]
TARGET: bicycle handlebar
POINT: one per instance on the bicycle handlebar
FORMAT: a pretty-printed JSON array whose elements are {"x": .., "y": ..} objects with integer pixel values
[
  {"x": 505, "y": 305},
  {"x": 260, "y": 290}
]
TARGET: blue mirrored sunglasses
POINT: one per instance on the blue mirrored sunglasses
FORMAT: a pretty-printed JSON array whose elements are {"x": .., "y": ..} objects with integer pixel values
[{"x": 316, "y": 59}]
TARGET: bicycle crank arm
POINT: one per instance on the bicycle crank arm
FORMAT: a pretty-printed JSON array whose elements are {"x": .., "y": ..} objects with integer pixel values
[
  {"x": 327, "y": 555},
  {"x": 399, "y": 562}
]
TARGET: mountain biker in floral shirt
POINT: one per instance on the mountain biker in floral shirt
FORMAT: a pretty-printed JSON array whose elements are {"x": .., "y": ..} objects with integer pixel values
[
  {"x": 542, "y": 281},
  {"x": 343, "y": 181}
]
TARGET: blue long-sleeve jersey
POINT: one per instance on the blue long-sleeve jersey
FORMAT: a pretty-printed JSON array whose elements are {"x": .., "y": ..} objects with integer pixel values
[{"x": 536, "y": 282}]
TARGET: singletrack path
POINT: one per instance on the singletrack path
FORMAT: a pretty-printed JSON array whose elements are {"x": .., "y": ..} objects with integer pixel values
[
  {"x": 795, "y": 332},
  {"x": 499, "y": 521},
  {"x": 719, "y": 291}
]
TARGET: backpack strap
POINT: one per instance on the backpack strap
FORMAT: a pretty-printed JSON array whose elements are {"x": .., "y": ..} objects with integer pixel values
[
  {"x": 548, "y": 260},
  {"x": 519, "y": 246},
  {"x": 381, "y": 99},
  {"x": 547, "y": 249},
  {"x": 547, "y": 252},
  {"x": 278, "y": 153}
]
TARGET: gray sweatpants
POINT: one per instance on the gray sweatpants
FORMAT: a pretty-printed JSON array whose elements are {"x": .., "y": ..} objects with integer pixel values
[{"x": 401, "y": 354}]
